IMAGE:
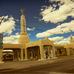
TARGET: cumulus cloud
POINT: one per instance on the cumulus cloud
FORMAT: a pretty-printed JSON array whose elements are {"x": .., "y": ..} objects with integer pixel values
[
  {"x": 29, "y": 34},
  {"x": 61, "y": 40},
  {"x": 60, "y": 29},
  {"x": 58, "y": 23},
  {"x": 56, "y": 38},
  {"x": 54, "y": 5},
  {"x": 30, "y": 29},
  {"x": 38, "y": 17},
  {"x": 64, "y": 41},
  {"x": 17, "y": 20},
  {"x": 8, "y": 25},
  {"x": 12, "y": 39},
  {"x": 17, "y": 33},
  {"x": 50, "y": 13}
]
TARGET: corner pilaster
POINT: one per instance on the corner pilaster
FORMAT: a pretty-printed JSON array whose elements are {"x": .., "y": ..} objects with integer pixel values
[
  {"x": 68, "y": 52},
  {"x": 21, "y": 53},
  {"x": 41, "y": 51},
  {"x": 26, "y": 55}
]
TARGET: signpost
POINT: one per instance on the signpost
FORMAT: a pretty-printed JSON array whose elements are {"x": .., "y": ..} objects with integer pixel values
[{"x": 1, "y": 45}]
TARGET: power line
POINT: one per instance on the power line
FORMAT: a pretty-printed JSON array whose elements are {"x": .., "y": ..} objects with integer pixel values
[
  {"x": 31, "y": 27},
  {"x": 26, "y": 17},
  {"x": 40, "y": 30}
]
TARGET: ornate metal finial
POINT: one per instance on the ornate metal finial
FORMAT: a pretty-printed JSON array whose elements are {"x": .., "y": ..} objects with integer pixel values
[{"x": 22, "y": 10}]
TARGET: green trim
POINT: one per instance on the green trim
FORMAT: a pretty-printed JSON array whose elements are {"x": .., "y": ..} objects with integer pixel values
[{"x": 1, "y": 43}]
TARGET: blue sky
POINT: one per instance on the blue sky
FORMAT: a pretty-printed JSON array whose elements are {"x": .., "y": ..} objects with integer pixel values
[{"x": 44, "y": 18}]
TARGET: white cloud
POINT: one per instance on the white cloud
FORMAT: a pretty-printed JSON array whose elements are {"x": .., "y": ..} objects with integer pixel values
[
  {"x": 44, "y": 6},
  {"x": 17, "y": 20},
  {"x": 54, "y": 16},
  {"x": 54, "y": 5},
  {"x": 60, "y": 29},
  {"x": 18, "y": 29},
  {"x": 38, "y": 17},
  {"x": 60, "y": 40},
  {"x": 64, "y": 41},
  {"x": 17, "y": 33},
  {"x": 56, "y": 38},
  {"x": 5, "y": 17},
  {"x": 12, "y": 39},
  {"x": 58, "y": 23},
  {"x": 30, "y": 29},
  {"x": 41, "y": 9},
  {"x": 29, "y": 34},
  {"x": 8, "y": 25}
]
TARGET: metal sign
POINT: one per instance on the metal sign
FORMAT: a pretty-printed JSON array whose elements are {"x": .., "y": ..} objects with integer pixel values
[{"x": 1, "y": 43}]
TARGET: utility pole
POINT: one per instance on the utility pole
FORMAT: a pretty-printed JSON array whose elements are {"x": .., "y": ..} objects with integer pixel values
[
  {"x": 1, "y": 43},
  {"x": 1, "y": 35},
  {"x": 2, "y": 19}
]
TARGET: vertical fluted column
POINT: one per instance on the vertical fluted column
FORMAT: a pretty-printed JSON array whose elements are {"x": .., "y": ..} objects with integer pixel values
[
  {"x": 31, "y": 54},
  {"x": 68, "y": 52},
  {"x": 48, "y": 52},
  {"x": 18, "y": 55},
  {"x": 34, "y": 54},
  {"x": 41, "y": 52},
  {"x": 21, "y": 53},
  {"x": 13, "y": 55},
  {"x": 38, "y": 54},
  {"x": 26, "y": 55}
]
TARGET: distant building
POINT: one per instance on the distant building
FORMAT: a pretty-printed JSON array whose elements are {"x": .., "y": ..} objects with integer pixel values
[{"x": 1, "y": 37}]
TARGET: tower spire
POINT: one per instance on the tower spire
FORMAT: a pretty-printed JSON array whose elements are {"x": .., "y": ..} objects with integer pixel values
[
  {"x": 71, "y": 37},
  {"x": 22, "y": 10},
  {"x": 23, "y": 21},
  {"x": 23, "y": 39}
]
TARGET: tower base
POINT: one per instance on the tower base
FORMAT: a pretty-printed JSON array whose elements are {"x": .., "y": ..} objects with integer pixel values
[{"x": 23, "y": 39}]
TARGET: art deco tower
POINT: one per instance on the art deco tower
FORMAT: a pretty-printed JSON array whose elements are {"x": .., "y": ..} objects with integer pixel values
[
  {"x": 23, "y": 22},
  {"x": 23, "y": 39}
]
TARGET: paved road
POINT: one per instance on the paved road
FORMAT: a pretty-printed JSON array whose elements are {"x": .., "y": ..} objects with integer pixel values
[
  {"x": 54, "y": 68},
  {"x": 61, "y": 64}
]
